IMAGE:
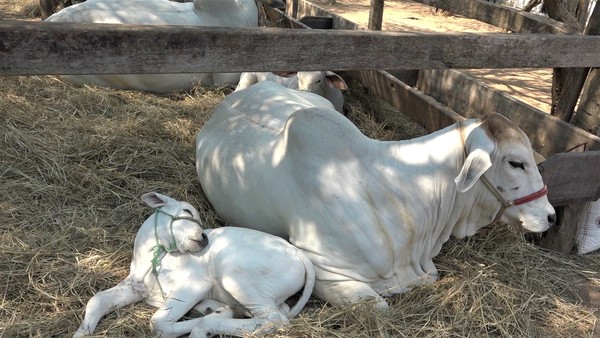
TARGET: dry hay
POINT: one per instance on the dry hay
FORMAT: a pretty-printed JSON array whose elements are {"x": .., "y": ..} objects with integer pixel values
[{"x": 74, "y": 161}]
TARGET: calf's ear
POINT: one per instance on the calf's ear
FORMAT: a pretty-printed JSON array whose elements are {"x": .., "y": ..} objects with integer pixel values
[
  {"x": 335, "y": 80},
  {"x": 154, "y": 199},
  {"x": 477, "y": 163}
]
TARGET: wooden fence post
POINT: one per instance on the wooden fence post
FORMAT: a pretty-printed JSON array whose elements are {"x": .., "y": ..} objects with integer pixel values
[
  {"x": 376, "y": 23},
  {"x": 588, "y": 112},
  {"x": 376, "y": 15},
  {"x": 574, "y": 79}
]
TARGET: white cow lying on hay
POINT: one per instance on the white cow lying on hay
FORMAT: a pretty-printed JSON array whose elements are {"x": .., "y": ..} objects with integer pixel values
[
  {"x": 325, "y": 83},
  {"x": 223, "y": 13},
  {"x": 371, "y": 215},
  {"x": 176, "y": 265}
]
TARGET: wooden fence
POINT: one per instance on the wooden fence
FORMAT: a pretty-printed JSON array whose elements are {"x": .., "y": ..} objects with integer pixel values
[{"x": 28, "y": 48}]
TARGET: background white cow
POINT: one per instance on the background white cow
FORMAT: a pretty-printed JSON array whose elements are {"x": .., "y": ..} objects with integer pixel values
[
  {"x": 48, "y": 7},
  {"x": 222, "y": 272},
  {"x": 325, "y": 83},
  {"x": 224, "y": 13},
  {"x": 371, "y": 215}
]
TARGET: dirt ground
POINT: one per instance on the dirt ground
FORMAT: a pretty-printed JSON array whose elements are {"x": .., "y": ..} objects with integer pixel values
[{"x": 531, "y": 86}]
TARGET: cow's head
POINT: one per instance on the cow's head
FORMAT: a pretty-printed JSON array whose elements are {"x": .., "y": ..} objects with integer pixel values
[
  {"x": 502, "y": 151},
  {"x": 177, "y": 224}
]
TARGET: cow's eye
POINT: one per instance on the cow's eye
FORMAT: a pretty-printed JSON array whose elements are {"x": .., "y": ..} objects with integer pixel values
[
  {"x": 188, "y": 211},
  {"x": 517, "y": 164}
]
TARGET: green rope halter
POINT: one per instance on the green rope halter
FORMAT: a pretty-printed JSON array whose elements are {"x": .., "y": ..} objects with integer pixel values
[{"x": 159, "y": 248}]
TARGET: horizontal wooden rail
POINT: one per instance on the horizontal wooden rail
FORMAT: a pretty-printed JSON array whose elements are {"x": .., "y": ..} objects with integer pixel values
[
  {"x": 28, "y": 48},
  {"x": 471, "y": 98}
]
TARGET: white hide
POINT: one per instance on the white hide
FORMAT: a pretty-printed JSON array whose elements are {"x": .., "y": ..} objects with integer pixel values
[
  {"x": 327, "y": 84},
  {"x": 371, "y": 215},
  {"x": 223, "y": 273},
  {"x": 588, "y": 229},
  {"x": 225, "y": 13}
]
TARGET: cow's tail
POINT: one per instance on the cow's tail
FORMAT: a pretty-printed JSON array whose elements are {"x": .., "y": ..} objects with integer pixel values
[{"x": 309, "y": 284}]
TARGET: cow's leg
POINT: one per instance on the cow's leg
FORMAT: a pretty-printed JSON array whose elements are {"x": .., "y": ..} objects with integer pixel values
[
  {"x": 343, "y": 292},
  {"x": 219, "y": 324},
  {"x": 106, "y": 301},
  {"x": 165, "y": 319}
]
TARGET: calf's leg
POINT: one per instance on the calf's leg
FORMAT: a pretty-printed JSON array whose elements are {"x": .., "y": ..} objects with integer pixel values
[
  {"x": 220, "y": 323},
  {"x": 341, "y": 292},
  {"x": 107, "y": 301},
  {"x": 178, "y": 303}
]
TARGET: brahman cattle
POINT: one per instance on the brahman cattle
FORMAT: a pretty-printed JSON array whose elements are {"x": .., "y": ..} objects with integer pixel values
[
  {"x": 371, "y": 215},
  {"x": 224, "y": 13},
  {"x": 325, "y": 83},
  {"x": 48, "y": 7},
  {"x": 221, "y": 272}
]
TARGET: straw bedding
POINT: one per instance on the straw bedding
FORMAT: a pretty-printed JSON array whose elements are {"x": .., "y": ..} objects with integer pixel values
[{"x": 74, "y": 161}]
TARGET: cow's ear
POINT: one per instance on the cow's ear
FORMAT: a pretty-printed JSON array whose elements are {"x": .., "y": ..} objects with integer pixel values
[
  {"x": 154, "y": 199},
  {"x": 477, "y": 163}
]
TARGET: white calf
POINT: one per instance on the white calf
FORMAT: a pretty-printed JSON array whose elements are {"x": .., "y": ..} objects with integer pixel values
[
  {"x": 222, "y": 272},
  {"x": 327, "y": 84}
]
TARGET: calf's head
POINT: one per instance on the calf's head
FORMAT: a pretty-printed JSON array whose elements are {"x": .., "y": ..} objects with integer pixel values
[
  {"x": 498, "y": 152},
  {"x": 317, "y": 82},
  {"x": 177, "y": 224}
]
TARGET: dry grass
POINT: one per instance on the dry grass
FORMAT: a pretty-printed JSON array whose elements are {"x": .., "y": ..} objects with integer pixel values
[{"x": 74, "y": 161}]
